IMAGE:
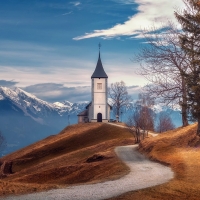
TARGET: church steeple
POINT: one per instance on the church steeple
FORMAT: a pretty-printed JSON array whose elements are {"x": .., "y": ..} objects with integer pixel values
[
  {"x": 99, "y": 70},
  {"x": 98, "y": 110}
]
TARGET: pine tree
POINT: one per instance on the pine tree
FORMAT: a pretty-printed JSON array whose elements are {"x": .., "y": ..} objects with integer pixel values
[{"x": 189, "y": 19}]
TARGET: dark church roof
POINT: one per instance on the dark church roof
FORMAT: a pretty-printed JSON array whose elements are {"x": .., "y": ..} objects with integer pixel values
[
  {"x": 83, "y": 113},
  {"x": 99, "y": 71}
]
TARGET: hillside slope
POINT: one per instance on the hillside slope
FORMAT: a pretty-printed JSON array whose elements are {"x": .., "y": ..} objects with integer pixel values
[
  {"x": 179, "y": 149},
  {"x": 78, "y": 154}
]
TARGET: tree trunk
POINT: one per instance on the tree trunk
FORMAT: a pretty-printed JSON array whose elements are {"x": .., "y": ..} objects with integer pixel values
[
  {"x": 198, "y": 127},
  {"x": 184, "y": 115},
  {"x": 137, "y": 135},
  {"x": 118, "y": 108},
  {"x": 184, "y": 104}
]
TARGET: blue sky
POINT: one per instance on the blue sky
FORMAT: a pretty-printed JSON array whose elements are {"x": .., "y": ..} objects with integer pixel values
[{"x": 50, "y": 47}]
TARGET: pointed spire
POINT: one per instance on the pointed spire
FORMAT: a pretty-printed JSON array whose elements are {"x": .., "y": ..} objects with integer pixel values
[
  {"x": 99, "y": 46},
  {"x": 99, "y": 50},
  {"x": 99, "y": 70}
]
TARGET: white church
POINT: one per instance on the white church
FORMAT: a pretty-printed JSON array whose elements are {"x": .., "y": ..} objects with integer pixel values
[{"x": 98, "y": 110}]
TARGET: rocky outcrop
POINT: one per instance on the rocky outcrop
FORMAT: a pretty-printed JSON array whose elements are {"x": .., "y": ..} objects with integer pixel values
[
  {"x": 95, "y": 158},
  {"x": 6, "y": 168}
]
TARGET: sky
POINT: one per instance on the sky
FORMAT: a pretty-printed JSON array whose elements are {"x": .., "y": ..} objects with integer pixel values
[{"x": 50, "y": 47}]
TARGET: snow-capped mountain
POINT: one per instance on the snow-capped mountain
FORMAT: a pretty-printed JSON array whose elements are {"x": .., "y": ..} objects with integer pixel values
[
  {"x": 24, "y": 118},
  {"x": 36, "y": 107}
]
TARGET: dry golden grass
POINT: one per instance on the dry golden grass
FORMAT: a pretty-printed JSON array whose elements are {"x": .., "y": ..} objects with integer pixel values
[
  {"x": 61, "y": 160},
  {"x": 180, "y": 150}
]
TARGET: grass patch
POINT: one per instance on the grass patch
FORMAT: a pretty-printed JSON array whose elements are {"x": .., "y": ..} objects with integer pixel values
[{"x": 61, "y": 160}]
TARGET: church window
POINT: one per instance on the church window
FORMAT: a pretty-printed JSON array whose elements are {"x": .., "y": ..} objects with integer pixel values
[{"x": 99, "y": 86}]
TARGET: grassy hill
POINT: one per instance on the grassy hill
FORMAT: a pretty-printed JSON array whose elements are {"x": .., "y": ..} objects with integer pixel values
[
  {"x": 78, "y": 154},
  {"x": 84, "y": 153},
  {"x": 180, "y": 149}
]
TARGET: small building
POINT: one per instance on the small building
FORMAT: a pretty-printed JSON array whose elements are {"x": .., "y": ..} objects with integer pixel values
[{"x": 98, "y": 110}]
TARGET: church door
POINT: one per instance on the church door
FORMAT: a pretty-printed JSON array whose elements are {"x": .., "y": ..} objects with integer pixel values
[{"x": 99, "y": 117}]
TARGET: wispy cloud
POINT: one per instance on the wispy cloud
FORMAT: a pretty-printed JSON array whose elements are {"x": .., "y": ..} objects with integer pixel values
[
  {"x": 75, "y": 3},
  {"x": 6, "y": 83},
  {"x": 53, "y": 92},
  {"x": 128, "y": 2},
  {"x": 30, "y": 64},
  {"x": 67, "y": 13},
  {"x": 148, "y": 13}
]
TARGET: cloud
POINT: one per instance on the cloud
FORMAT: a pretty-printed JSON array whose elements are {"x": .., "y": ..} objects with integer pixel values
[
  {"x": 30, "y": 64},
  {"x": 148, "y": 13},
  {"x": 134, "y": 91},
  {"x": 133, "y": 87},
  {"x": 7, "y": 83},
  {"x": 67, "y": 13},
  {"x": 53, "y": 92},
  {"x": 127, "y": 2},
  {"x": 75, "y": 3},
  {"x": 25, "y": 76}
]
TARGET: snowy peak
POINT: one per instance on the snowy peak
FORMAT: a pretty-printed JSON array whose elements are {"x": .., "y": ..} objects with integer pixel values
[
  {"x": 59, "y": 105},
  {"x": 31, "y": 99},
  {"x": 8, "y": 93},
  {"x": 67, "y": 103},
  {"x": 23, "y": 93},
  {"x": 26, "y": 101},
  {"x": 32, "y": 105},
  {"x": 1, "y": 97},
  {"x": 69, "y": 108},
  {"x": 163, "y": 108}
]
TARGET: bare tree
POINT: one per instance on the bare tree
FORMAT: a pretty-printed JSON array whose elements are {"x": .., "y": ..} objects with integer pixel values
[
  {"x": 119, "y": 96},
  {"x": 190, "y": 42},
  {"x": 162, "y": 63},
  {"x": 134, "y": 130},
  {"x": 164, "y": 123},
  {"x": 144, "y": 112},
  {"x": 142, "y": 119}
]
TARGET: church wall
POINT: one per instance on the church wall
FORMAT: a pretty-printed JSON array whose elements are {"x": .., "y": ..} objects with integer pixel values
[
  {"x": 80, "y": 119},
  {"x": 99, "y": 97},
  {"x": 102, "y": 81},
  {"x": 90, "y": 110},
  {"x": 100, "y": 109}
]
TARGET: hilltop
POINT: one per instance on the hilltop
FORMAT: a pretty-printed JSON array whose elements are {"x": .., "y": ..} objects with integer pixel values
[{"x": 79, "y": 154}]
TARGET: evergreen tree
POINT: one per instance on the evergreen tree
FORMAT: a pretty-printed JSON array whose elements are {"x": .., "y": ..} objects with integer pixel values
[{"x": 189, "y": 19}]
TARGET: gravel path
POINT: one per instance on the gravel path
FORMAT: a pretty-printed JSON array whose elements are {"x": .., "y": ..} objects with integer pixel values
[
  {"x": 122, "y": 126},
  {"x": 143, "y": 173}
]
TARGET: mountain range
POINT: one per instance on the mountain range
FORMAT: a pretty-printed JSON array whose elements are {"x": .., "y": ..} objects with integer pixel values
[{"x": 25, "y": 119}]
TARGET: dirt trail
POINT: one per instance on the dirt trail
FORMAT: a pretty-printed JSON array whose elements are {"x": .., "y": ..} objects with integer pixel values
[
  {"x": 122, "y": 126},
  {"x": 143, "y": 173}
]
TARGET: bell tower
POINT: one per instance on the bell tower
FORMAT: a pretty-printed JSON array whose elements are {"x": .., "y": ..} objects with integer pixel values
[{"x": 99, "y": 105}]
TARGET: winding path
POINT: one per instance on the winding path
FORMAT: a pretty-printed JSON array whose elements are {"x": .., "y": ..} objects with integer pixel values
[{"x": 143, "y": 173}]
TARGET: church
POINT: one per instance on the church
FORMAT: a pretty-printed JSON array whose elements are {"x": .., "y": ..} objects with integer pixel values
[{"x": 98, "y": 110}]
